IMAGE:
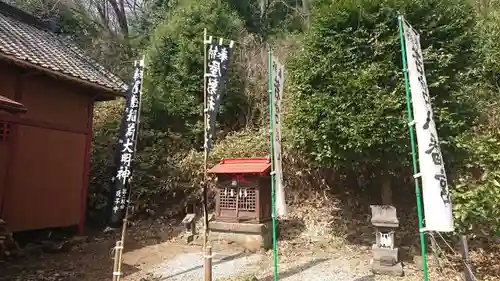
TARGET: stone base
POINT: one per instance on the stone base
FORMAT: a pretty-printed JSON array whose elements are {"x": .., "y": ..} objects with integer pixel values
[
  {"x": 386, "y": 261},
  {"x": 385, "y": 254},
  {"x": 249, "y": 235},
  {"x": 188, "y": 238},
  {"x": 396, "y": 270}
]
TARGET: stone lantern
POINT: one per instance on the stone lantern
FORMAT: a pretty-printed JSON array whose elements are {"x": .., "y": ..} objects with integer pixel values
[{"x": 385, "y": 254}]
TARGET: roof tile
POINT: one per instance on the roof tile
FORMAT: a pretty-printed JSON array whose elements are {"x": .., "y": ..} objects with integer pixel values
[{"x": 48, "y": 50}]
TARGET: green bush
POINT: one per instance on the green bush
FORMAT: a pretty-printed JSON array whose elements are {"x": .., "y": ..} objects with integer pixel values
[
  {"x": 105, "y": 123},
  {"x": 347, "y": 106},
  {"x": 476, "y": 196},
  {"x": 174, "y": 83},
  {"x": 490, "y": 42},
  {"x": 158, "y": 179},
  {"x": 244, "y": 143},
  {"x": 347, "y": 102}
]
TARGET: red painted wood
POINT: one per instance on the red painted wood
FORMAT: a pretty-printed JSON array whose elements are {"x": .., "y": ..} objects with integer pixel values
[
  {"x": 46, "y": 180},
  {"x": 4, "y": 156},
  {"x": 242, "y": 166},
  {"x": 14, "y": 136},
  {"x": 45, "y": 183},
  {"x": 20, "y": 120},
  {"x": 86, "y": 172}
]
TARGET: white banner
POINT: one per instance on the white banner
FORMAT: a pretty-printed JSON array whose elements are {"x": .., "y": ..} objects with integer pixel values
[
  {"x": 436, "y": 197},
  {"x": 278, "y": 82}
]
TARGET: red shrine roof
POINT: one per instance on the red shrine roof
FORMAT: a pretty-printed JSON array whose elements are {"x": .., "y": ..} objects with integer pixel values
[
  {"x": 10, "y": 105},
  {"x": 255, "y": 165}
]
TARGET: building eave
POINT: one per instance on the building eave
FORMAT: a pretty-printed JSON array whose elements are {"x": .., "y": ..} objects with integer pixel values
[{"x": 105, "y": 93}]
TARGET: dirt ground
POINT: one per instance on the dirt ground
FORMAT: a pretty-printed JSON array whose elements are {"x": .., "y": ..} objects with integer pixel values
[
  {"x": 153, "y": 242},
  {"x": 92, "y": 257}
]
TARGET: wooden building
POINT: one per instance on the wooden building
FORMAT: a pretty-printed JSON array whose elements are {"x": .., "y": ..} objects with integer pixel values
[{"x": 44, "y": 153}]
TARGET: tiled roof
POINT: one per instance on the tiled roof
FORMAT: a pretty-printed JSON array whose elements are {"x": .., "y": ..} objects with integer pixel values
[{"x": 40, "y": 47}]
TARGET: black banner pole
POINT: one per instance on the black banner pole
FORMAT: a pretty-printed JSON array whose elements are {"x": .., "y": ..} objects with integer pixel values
[
  {"x": 119, "y": 197},
  {"x": 215, "y": 68},
  {"x": 136, "y": 91}
]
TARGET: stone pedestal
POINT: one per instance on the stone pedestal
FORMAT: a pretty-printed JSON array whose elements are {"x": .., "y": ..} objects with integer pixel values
[
  {"x": 386, "y": 261},
  {"x": 385, "y": 254},
  {"x": 189, "y": 222},
  {"x": 253, "y": 236}
]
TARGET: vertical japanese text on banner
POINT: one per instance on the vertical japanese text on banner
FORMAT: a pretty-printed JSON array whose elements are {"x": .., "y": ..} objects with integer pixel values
[
  {"x": 126, "y": 145},
  {"x": 217, "y": 65},
  {"x": 436, "y": 196}
]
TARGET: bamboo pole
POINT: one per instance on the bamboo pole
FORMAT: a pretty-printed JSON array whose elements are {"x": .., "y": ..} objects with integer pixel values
[
  {"x": 117, "y": 259},
  {"x": 413, "y": 151},
  {"x": 271, "y": 151},
  {"x": 117, "y": 265},
  {"x": 207, "y": 250}
]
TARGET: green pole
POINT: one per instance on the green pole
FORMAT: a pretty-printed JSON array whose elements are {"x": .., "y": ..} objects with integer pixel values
[
  {"x": 413, "y": 151},
  {"x": 271, "y": 151}
]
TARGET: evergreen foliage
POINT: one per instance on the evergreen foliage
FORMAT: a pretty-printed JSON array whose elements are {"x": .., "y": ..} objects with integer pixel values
[
  {"x": 348, "y": 99},
  {"x": 175, "y": 68}
]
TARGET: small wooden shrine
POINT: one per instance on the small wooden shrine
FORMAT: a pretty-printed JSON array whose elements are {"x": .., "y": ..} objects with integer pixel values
[{"x": 243, "y": 201}]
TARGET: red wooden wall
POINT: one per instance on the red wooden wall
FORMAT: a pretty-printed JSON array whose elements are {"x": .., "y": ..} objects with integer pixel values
[
  {"x": 7, "y": 89},
  {"x": 45, "y": 160}
]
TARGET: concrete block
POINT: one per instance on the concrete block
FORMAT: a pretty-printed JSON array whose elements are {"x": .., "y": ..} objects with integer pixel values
[
  {"x": 251, "y": 236},
  {"x": 385, "y": 255},
  {"x": 384, "y": 216},
  {"x": 395, "y": 270}
]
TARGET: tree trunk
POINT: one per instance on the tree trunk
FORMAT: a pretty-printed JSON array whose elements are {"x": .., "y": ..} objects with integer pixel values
[
  {"x": 305, "y": 7},
  {"x": 386, "y": 190},
  {"x": 305, "y": 11},
  {"x": 263, "y": 6},
  {"x": 121, "y": 16}
]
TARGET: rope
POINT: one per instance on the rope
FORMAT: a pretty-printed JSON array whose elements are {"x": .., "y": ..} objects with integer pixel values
[
  {"x": 203, "y": 256},
  {"x": 436, "y": 254},
  {"x": 438, "y": 250},
  {"x": 453, "y": 250},
  {"x": 113, "y": 250}
]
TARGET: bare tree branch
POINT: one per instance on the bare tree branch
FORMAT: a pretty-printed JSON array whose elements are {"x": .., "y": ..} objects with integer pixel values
[{"x": 121, "y": 17}]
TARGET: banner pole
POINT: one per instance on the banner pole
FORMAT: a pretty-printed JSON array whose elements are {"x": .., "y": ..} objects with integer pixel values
[
  {"x": 413, "y": 151},
  {"x": 207, "y": 250},
  {"x": 271, "y": 151},
  {"x": 117, "y": 266}
]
